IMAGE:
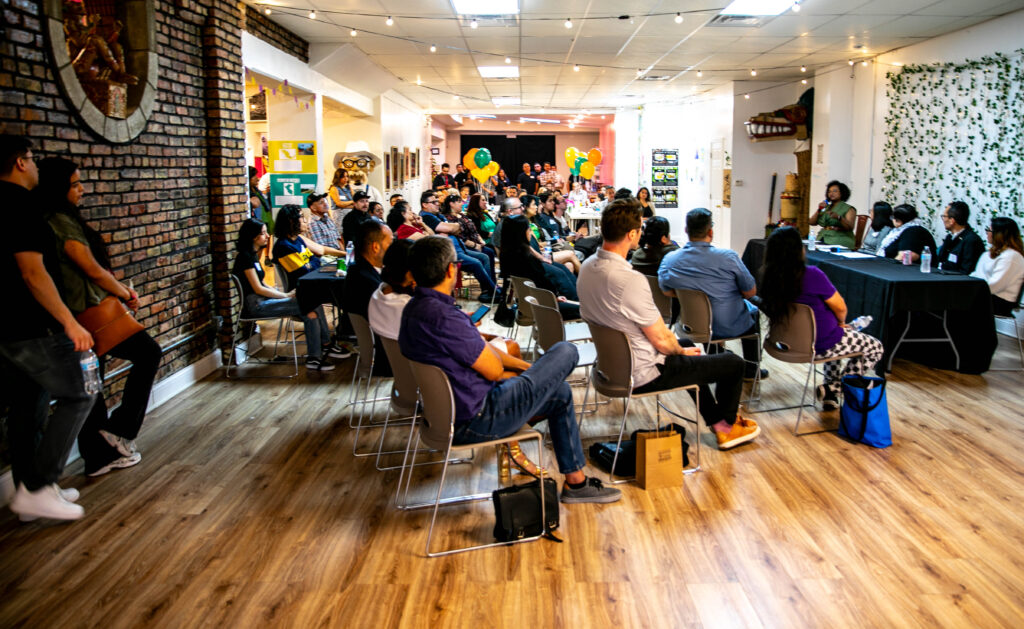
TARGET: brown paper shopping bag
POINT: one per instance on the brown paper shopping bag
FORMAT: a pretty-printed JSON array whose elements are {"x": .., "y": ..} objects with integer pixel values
[{"x": 659, "y": 459}]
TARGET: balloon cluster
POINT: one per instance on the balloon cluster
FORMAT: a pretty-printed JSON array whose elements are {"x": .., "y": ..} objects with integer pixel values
[
  {"x": 478, "y": 163},
  {"x": 582, "y": 164}
]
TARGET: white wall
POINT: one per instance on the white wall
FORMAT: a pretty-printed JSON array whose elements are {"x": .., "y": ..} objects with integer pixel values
[
  {"x": 627, "y": 147},
  {"x": 404, "y": 124},
  {"x": 755, "y": 162},
  {"x": 339, "y": 129}
]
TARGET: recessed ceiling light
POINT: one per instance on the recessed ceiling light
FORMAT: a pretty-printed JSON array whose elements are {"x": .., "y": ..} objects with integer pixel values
[
  {"x": 312, "y": 15},
  {"x": 803, "y": 68},
  {"x": 746, "y": 96},
  {"x": 433, "y": 48},
  {"x": 757, "y": 7},
  {"x": 850, "y": 62},
  {"x": 505, "y": 100},
  {"x": 389, "y": 21},
  {"x": 498, "y": 72},
  {"x": 353, "y": 32},
  {"x": 602, "y": 117},
  {"x": 679, "y": 18},
  {"x": 700, "y": 74},
  {"x": 473, "y": 24},
  {"x": 540, "y": 120},
  {"x": 576, "y": 68},
  {"x": 568, "y": 22},
  {"x": 753, "y": 73},
  {"x": 266, "y": 11},
  {"x": 508, "y": 122},
  {"x": 508, "y": 59},
  {"x": 455, "y": 97},
  {"x": 803, "y": 81},
  {"x": 491, "y": 7},
  {"x": 796, "y": 6},
  {"x": 572, "y": 126}
]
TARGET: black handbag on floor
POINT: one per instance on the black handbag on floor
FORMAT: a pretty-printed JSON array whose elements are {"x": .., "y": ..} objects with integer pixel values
[
  {"x": 505, "y": 315},
  {"x": 517, "y": 511}
]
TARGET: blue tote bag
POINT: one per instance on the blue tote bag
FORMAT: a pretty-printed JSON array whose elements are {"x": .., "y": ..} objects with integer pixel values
[{"x": 864, "y": 416}]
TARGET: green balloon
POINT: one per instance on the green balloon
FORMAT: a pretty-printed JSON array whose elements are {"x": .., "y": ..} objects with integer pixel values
[
  {"x": 579, "y": 162},
  {"x": 482, "y": 158}
]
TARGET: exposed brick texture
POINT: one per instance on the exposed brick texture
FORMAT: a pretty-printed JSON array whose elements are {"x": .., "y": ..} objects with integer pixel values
[{"x": 278, "y": 36}]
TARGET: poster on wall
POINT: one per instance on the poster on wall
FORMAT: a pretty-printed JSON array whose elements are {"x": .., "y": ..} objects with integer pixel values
[
  {"x": 665, "y": 177},
  {"x": 291, "y": 189},
  {"x": 292, "y": 156}
]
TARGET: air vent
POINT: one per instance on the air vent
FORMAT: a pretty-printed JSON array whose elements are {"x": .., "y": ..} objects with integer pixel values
[
  {"x": 743, "y": 21},
  {"x": 656, "y": 77}
]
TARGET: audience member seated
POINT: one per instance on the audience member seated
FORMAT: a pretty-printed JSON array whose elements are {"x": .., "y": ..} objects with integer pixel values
[
  {"x": 362, "y": 280},
  {"x": 519, "y": 259},
  {"x": 394, "y": 292},
  {"x": 407, "y": 224},
  {"x": 1003, "y": 267},
  {"x": 836, "y": 217},
  {"x": 471, "y": 239},
  {"x": 477, "y": 213},
  {"x": 376, "y": 212},
  {"x": 655, "y": 244},
  {"x": 879, "y": 226},
  {"x": 322, "y": 229},
  {"x": 962, "y": 246},
  {"x": 472, "y": 262},
  {"x": 560, "y": 254},
  {"x": 259, "y": 300},
  {"x": 908, "y": 234},
  {"x": 510, "y": 207},
  {"x": 722, "y": 276},
  {"x": 360, "y": 214},
  {"x": 491, "y": 398},
  {"x": 612, "y": 294},
  {"x": 788, "y": 280}
]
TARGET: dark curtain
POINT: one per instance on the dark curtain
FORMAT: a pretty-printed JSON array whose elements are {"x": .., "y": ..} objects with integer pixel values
[{"x": 510, "y": 153}]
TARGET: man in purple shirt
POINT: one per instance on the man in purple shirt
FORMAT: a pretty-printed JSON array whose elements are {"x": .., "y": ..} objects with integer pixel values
[{"x": 495, "y": 394}]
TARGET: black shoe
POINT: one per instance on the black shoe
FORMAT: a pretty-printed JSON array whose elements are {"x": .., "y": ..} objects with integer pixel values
[
  {"x": 319, "y": 364},
  {"x": 485, "y": 298},
  {"x": 828, "y": 398},
  {"x": 748, "y": 375}
]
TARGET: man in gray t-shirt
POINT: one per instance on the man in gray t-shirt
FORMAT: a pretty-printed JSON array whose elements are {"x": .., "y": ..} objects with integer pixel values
[{"x": 612, "y": 294}]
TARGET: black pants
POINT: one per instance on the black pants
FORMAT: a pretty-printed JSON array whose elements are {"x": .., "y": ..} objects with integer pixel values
[
  {"x": 126, "y": 420},
  {"x": 751, "y": 350},
  {"x": 1001, "y": 307},
  {"x": 724, "y": 370}
]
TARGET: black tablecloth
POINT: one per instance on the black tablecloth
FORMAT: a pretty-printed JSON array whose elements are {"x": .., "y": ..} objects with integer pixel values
[
  {"x": 319, "y": 287},
  {"x": 890, "y": 292}
]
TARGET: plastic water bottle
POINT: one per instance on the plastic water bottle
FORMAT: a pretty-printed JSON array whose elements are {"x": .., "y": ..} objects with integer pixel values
[
  {"x": 811, "y": 245},
  {"x": 926, "y": 260},
  {"x": 861, "y": 322},
  {"x": 547, "y": 253},
  {"x": 350, "y": 254},
  {"x": 91, "y": 372}
]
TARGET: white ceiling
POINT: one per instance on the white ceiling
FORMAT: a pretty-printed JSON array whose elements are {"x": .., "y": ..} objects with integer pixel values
[{"x": 609, "y": 50}]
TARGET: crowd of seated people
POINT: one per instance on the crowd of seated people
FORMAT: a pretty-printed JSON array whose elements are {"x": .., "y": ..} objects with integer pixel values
[
  {"x": 519, "y": 259},
  {"x": 475, "y": 263}
]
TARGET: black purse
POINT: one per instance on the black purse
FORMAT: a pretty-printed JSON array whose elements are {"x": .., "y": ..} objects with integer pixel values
[
  {"x": 505, "y": 315},
  {"x": 517, "y": 511}
]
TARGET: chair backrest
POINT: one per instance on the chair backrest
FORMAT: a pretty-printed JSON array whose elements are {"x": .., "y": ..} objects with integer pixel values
[
  {"x": 661, "y": 300},
  {"x": 543, "y": 296},
  {"x": 792, "y": 339},
  {"x": 694, "y": 314},
  {"x": 550, "y": 329},
  {"x": 403, "y": 391},
  {"x": 858, "y": 234},
  {"x": 236, "y": 315},
  {"x": 438, "y": 405},
  {"x": 612, "y": 374},
  {"x": 524, "y": 314},
  {"x": 364, "y": 337}
]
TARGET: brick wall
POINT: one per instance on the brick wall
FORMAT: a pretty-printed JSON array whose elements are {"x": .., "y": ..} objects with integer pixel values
[{"x": 278, "y": 36}]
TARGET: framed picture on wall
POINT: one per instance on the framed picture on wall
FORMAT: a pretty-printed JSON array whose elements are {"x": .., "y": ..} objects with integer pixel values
[
  {"x": 394, "y": 167},
  {"x": 407, "y": 162},
  {"x": 387, "y": 171},
  {"x": 416, "y": 164}
]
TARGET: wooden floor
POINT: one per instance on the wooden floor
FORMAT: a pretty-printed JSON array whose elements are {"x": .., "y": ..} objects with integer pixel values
[{"x": 249, "y": 510}]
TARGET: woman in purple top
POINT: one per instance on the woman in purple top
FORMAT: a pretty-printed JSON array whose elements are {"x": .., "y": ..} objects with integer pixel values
[{"x": 788, "y": 280}]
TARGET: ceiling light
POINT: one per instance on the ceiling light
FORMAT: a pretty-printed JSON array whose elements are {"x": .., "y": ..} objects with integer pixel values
[
  {"x": 498, "y": 72},
  {"x": 803, "y": 81},
  {"x": 568, "y": 22},
  {"x": 508, "y": 122},
  {"x": 864, "y": 63},
  {"x": 700, "y": 74},
  {"x": 266, "y": 11},
  {"x": 757, "y": 7},
  {"x": 419, "y": 81},
  {"x": 572, "y": 126},
  {"x": 508, "y": 59},
  {"x": 602, "y": 117},
  {"x": 679, "y": 18},
  {"x": 540, "y": 120},
  {"x": 803, "y": 68},
  {"x": 491, "y": 7},
  {"x": 746, "y": 96},
  {"x": 389, "y": 21},
  {"x": 455, "y": 97},
  {"x": 796, "y": 7},
  {"x": 473, "y": 24},
  {"x": 586, "y": 112},
  {"x": 312, "y": 15},
  {"x": 850, "y": 62},
  {"x": 753, "y": 73},
  {"x": 353, "y": 32},
  {"x": 576, "y": 68},
  {"x": 505, "y": 100},
  {"x": 898, "y": 64},
  {"x": 433, "y": 48}
]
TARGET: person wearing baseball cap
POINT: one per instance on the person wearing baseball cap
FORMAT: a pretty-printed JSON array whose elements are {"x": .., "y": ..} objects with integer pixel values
[
  {"x": 359, "y": 214},
  {"x": 321, "y": 227}
]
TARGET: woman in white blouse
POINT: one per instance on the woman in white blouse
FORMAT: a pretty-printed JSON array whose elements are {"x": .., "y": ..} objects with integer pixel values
[
  {"x": 388, "y": 301},
  {"x": 1003, "y": 267}
]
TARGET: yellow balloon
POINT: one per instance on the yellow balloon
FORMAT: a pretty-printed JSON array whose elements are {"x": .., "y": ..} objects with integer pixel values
[
  {"x": 467, "y": 160},
  {"x": 570, "y": 156},
  {"x": 587, "y": 170},
  {"x": 492, "y": 169},
  {"x": 594, "y": 157},
  {"x": 479, "y": 174}
]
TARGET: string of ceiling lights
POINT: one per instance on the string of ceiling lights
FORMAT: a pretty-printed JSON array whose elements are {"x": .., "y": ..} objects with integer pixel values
[
  {"x": 474, "y": 21},
  {"x": 577, "y": 67}
]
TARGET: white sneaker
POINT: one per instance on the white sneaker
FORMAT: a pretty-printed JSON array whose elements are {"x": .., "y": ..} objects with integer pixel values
[
  {"x": 70, "y": 494},
  {"x": 116, "y": 464},
  {"x": 46, "y": 502},
  {"x": 125, "y": 446}
]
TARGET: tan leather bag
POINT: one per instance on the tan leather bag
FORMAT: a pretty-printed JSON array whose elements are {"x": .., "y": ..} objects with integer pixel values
[{"x": 110, "y": 322}]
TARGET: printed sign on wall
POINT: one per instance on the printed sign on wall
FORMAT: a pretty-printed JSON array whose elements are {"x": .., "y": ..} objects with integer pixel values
[{"x": 292, "y": 156}]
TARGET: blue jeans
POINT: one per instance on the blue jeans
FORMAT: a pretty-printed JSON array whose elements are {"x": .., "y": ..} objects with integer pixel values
[
  {"x": 475, "y": 264},
  {"x": 34, "y": 372},
  {"x": 317, "y": 329},
  {"x": 540, "y": 391}
]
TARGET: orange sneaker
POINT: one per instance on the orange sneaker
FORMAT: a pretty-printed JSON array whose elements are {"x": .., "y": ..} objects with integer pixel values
[{"x": 743, "y": 430}]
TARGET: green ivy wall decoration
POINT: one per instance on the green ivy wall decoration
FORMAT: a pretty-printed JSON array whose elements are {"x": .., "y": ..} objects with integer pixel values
[{"x": 955, "y": 131}]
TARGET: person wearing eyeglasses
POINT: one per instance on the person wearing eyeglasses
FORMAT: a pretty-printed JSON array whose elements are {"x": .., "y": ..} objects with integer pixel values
[{"x": 962, "y": 246}]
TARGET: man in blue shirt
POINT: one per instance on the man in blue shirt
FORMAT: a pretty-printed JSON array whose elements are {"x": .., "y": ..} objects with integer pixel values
[
  {"x": 721, "y": 275},
  {"x": 495, "y": 394}
]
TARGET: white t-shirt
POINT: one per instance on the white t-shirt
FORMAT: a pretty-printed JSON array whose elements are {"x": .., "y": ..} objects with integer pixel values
[
  {"x": 1004, "y": 274},
  {"x": 385, "y": 312}
]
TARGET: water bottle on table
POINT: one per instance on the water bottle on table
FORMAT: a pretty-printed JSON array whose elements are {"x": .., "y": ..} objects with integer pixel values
[
  {"x": 91, "y": 372},
  {"x": 926, "y": 260},
  {"x": 350, "y": 254}
]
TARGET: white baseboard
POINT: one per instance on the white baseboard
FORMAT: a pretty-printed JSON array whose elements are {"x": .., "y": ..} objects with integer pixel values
[{"x": 162, "y": 392}]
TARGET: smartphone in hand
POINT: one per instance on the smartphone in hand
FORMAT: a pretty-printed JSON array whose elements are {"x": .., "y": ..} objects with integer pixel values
[{"x": 479, "y": 314}]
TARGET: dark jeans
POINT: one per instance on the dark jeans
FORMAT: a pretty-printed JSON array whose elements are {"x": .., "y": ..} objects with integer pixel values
[
  {"x": 472, "y": 265},
  {"x": 125, "y": 421},
  {"x": 724, "y": 370},
  {"x": 35, "y": 371},
  {"x": 541, "y": 391},
  {"x": 1002, "y": 307},
  {"x": 562, "y": 279}
]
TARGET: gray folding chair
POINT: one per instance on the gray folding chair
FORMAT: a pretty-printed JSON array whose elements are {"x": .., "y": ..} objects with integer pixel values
[
  {"x": 551, "y": 330},
  {"x": 661, "y": 300},
  {"x": 575, "y": 331},
  {"x": 524, "y": 315},
  {"x": 612, "y": 376},
  {"x": 695, "y": 320},
  {"x": 792, "y": 341},
  {"x": 436, "y": 429},
  {"x": 362, "y": 376},
  {"x": 1016, "y": 328},
  {"x": 239, "y": 318}
]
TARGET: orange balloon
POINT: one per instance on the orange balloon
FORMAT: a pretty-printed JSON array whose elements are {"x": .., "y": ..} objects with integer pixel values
[
  {"x": 467, "y": 160},
  {"x": 594, "y": 157},
  {"x": 587, "y": 170}
]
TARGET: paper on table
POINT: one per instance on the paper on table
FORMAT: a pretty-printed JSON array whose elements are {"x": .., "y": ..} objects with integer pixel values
[{"x": 853, "y": 254}]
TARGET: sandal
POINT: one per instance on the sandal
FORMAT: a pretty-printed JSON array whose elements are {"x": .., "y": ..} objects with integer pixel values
[{"x": 518, "y": 458}]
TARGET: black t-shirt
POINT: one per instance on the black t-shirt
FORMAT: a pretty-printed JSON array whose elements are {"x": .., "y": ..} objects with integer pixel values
[
  {"x": 443, "y": 180},
  {"x": 350, "y": 224},
  {"x": 460, "y": 179},
  {"x": 244, "y": 261},
  {"x": 360, "y": 283},
  {"x": 914, "y": 238},
  {"x": 22, "y": 316},
  {"x": 526, "y": 183}
]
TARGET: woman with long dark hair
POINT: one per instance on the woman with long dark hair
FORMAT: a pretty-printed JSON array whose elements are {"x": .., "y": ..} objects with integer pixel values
[
  {"x": 836, "y": 217},
  {"x": 105, "y": 442},
  {"x": 519, "y": 259},
  {"x": 476, "y": 211},
  {"x": 654, "y": 245},
  {"x": 1003, "y": 267},
  {"x": 788, "y": 280},
  {"x": 879, "y": 228}
]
